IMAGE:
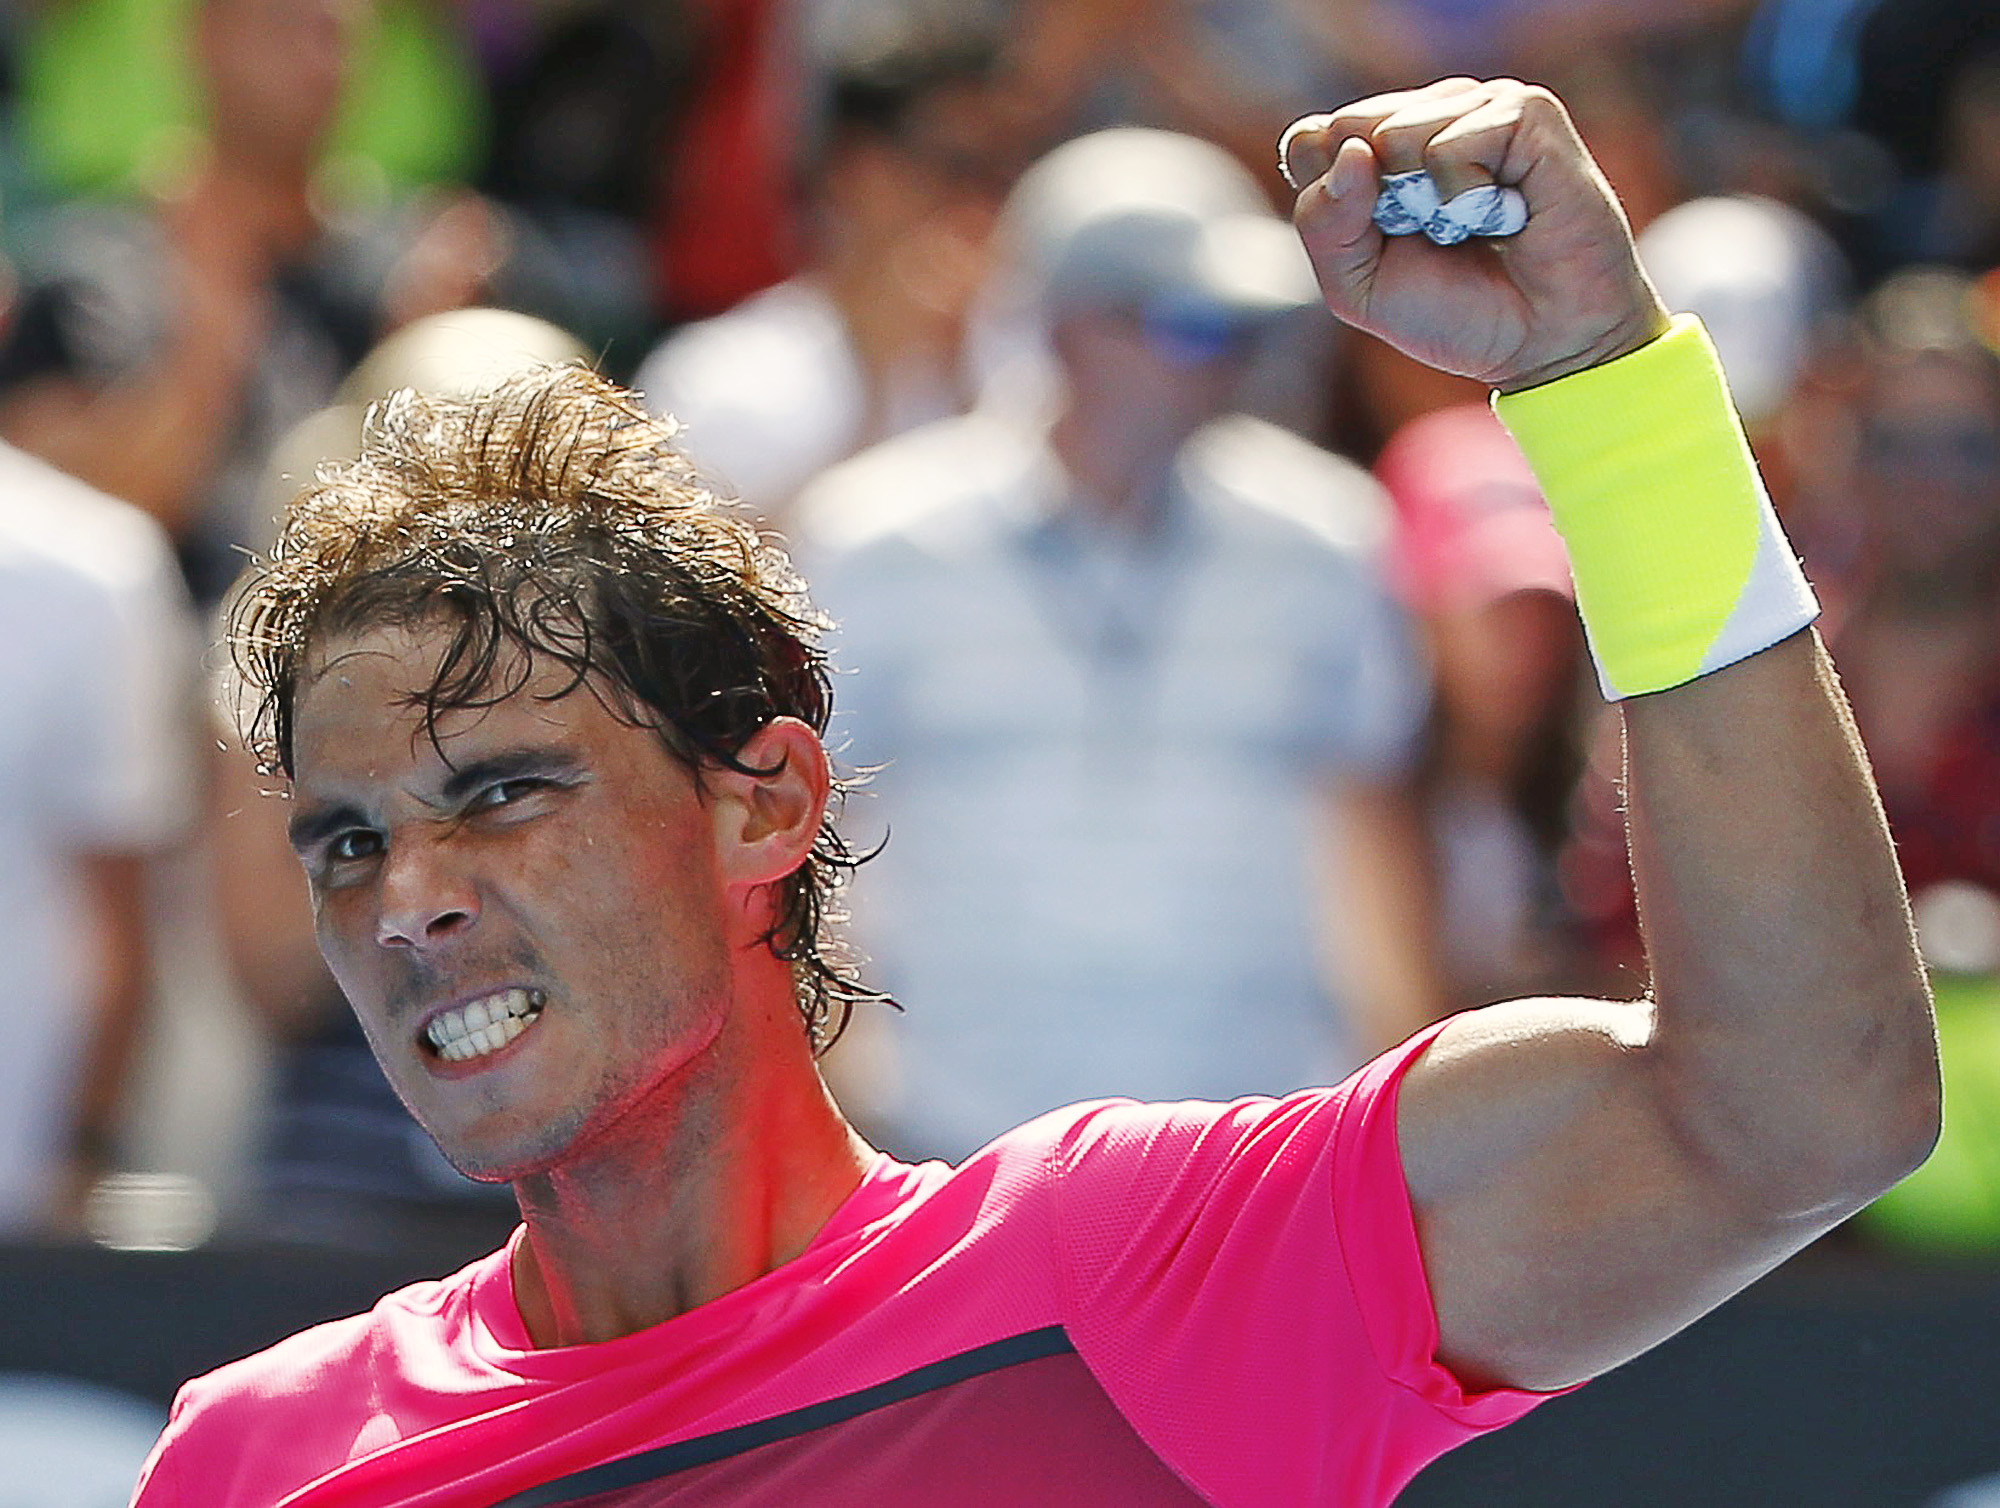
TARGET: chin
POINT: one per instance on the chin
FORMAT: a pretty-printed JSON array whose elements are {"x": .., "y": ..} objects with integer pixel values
[{"x": 509, "y": 1157}]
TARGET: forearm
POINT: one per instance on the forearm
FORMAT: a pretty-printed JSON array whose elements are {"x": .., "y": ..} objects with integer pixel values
[
  {"x": 1793, "y": 1045},
  {"x": 1794, "y": 1049},
  {"x": 1590, "y": 1176}
]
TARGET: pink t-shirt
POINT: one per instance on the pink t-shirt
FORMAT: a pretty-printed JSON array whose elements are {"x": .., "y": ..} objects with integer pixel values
[{"x": 1116, "y": 1304}]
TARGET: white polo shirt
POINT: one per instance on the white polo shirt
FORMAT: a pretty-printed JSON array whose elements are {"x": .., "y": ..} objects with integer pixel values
[
  {"x": 96, "y": 664},
  {"x": 1099, "y": 762}
]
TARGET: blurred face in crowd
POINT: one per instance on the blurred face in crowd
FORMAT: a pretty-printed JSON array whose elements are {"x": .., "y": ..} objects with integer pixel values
[
  {"x": 274, "y": 73},
  {"x": 928, "y": 191},
  {"x": 526, "y": 912},
  {"x": 1157, "y": 378},
  {"x": 1928, "y": 463}
]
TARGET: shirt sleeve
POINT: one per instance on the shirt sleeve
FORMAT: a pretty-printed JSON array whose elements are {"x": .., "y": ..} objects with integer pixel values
[
  {"x": 159, "y": 1478},
  {"x": 1245, "y": 1282}
]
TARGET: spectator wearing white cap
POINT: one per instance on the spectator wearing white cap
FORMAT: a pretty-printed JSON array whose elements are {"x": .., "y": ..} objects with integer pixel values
[{"x": 1143, "y": 703}]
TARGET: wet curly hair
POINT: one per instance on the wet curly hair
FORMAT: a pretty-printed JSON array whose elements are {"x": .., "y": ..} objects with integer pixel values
[{"x": 554, "y": 515}]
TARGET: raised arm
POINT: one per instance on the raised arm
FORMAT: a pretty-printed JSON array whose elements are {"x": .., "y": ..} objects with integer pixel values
[{"x": 1589, "y": 1176}]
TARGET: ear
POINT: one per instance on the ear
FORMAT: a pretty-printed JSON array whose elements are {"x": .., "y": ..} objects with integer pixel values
[{"x": 766, "y": 824}]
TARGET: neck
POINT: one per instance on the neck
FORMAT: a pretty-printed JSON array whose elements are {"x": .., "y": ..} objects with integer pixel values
[
  {"x": 1119, "y": 470},
  {"x": 730, "y": 1175}
]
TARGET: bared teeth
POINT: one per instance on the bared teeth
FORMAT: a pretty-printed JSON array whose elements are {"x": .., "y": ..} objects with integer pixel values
[{"x": 484, "y": 1025}]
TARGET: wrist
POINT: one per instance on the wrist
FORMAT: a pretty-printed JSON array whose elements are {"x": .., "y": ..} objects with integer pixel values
[
  {"x": 1646, "y": 323},
  {"x": 1679, "y": 563}
]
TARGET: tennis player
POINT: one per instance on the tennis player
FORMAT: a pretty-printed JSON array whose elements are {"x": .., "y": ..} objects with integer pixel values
[{"x": 551, "y": 716}]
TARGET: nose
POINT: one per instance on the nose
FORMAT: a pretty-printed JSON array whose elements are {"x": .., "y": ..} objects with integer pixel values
[{"x": 424, "y": 898}]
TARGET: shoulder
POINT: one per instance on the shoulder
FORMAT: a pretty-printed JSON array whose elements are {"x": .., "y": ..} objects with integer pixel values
[
  {"x": 1008, "y": 1205},
  {"x": 1286, "y": 488},
  {"x": 1135, "y": 1180},
  {"x": 282, "y": 1371},
  {"x": 1130, "y": 1153},
  {"x": 221, "y": 1433},
  {"x": 315, "y": 1391},
  {"x": 928, "y": 486},
  {"x": 302, "y": 1363},
  {"x": 1074, "y": 1155},
  {"x": 1143, "y": 1152}
]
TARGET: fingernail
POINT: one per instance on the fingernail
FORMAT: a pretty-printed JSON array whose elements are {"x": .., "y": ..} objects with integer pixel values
[{"x": 1298, "y": 128}]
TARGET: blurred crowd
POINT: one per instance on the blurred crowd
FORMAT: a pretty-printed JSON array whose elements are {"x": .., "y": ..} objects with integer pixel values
[{"x": 1223, "y": 712}]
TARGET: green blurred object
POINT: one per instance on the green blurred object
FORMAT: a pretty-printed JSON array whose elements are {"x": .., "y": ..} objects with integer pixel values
[
  {"x": 105, "y": 93},
  {"x": 1951, "y": 1205}
]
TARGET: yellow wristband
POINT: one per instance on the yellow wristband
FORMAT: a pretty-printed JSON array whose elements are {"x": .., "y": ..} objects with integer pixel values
[{"x": 1679, "y": 563}]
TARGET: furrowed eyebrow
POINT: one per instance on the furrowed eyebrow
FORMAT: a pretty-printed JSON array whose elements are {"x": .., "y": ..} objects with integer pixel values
[
  {"x": 313, "y": 825},
  {"x": 510, "y": 764}
]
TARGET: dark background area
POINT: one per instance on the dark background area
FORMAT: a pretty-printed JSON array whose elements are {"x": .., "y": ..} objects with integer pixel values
[{"x": 1832, "y": 1382}]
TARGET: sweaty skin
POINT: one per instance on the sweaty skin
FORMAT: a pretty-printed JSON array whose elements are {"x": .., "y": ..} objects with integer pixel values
[
  {"x": 661, "y": 1119},
  {"x": 1590, "y": 1175}
]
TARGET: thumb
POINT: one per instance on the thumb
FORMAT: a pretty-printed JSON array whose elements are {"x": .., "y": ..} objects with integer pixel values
[{"x": 1335, "y": 217}]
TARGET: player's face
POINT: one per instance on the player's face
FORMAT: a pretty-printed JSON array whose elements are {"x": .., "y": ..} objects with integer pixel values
[{"x": 526, "y": 913}]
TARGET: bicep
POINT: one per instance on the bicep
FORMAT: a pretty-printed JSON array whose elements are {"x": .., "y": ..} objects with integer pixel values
[{"x": 1565, "y": 1224}]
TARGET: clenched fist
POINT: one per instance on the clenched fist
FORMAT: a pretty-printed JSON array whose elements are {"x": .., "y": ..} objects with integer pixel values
[{"x": 1564, "y": 293}]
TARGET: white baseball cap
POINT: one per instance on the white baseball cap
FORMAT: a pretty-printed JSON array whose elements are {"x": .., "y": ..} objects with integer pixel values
[
  {"x": 1767, "y": 281},
  {"x": 1154, "y": 221}
]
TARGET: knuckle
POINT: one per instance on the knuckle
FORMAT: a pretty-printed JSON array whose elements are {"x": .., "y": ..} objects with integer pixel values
[
  {"x": 1391, "y": 144},
  {"x": 1538, "y": 100}
]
